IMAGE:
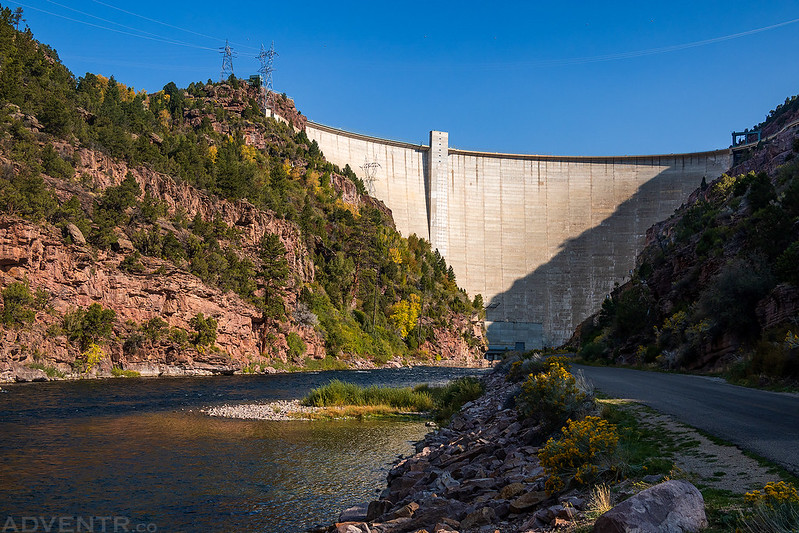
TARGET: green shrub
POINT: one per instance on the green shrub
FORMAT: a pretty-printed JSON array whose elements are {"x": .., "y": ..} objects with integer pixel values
[
  {"x": 730, "y": 299},
  {"x": 296, "y": 345},
  {"x": 205, "y": 330},
  {"x": 132, "y": 344},
  {"x": 132, "y": 263},
  {"x": 17, "y": 302},
  {"x": 786, "y": 266},
  {"x": 593, "y": 351},
  {"x": 179, "y": 336},
  {"x": 154, "y": 328},
  {"x": 89, "y": 326},
  {"x": 339, "y": 393},
  {"x": 51, "y": 371},
  {"x": 454, "y": 395}
]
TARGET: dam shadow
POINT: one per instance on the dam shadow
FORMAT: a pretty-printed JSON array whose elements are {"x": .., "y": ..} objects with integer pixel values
[{"x": 562, "y": 292}]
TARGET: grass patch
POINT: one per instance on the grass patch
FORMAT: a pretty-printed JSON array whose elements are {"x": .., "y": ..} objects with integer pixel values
[
  {"x": 351, "y": 400},
  {"x": 119, "y": 373},
  {"x": 642, "y": 448},
  {"x": 358, "y": 412},
  {"x": 328, "y": 363},
  {"x": 340, "y": 394},
  {"x": 723, "y": 509},
  {"x": 51, "y": 371}
]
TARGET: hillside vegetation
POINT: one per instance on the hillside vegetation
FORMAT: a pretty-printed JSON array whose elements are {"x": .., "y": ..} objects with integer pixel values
[
  {"x": 198, "y": 182},
  {"x": 717, "y": 285}
]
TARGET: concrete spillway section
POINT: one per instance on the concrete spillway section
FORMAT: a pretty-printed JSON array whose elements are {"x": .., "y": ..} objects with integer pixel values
[{"x": 542, "y": 238}]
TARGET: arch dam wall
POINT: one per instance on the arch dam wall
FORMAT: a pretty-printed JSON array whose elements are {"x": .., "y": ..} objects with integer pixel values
[{"x": 542, "y": 238}]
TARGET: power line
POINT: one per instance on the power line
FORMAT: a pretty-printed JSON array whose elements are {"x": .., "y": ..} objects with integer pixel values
[
  {"x": 167, "y": 24},
  {"x": 157, "y": 39},
  {"x": 652, "y": 51},
  {"x": 117, "y": 23}
]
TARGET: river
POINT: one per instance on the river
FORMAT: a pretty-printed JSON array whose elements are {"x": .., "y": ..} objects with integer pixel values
[{"x": 136, "y": 454}]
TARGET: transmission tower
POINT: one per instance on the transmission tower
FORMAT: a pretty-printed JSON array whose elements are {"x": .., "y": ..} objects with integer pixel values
[
  {"x": 227, "y": 61},
  {"x": 370, "y": 171},
  {"x": 266, "y": 57}
]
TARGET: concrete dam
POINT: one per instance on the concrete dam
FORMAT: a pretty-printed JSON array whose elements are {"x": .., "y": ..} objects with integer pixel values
[{"x": 542, "y": 238}]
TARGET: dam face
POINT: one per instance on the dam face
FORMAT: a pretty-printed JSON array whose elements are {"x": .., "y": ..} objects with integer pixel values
[{"x": 542, "y": 238}]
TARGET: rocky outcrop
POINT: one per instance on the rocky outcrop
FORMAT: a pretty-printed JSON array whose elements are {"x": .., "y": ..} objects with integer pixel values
[
  {"x": 74, "y": 276},
  {"x": 675, "y": 506}
]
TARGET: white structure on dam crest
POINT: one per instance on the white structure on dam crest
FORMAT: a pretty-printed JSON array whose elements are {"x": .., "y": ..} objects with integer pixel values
[{"x": 542, "y": 238}]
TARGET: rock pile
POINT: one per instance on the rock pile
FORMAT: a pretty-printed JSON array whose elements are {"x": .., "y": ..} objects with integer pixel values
[{"x": 480, "y": 474}]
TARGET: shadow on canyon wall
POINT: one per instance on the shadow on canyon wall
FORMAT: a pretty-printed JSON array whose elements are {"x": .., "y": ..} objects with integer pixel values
[{"x": 572, "y": 285}]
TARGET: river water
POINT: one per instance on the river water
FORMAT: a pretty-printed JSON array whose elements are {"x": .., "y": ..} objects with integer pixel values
[{"x": 136, "y": 454}]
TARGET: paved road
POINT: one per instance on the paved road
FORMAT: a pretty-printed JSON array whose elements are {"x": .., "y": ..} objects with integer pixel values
[{"x": 766, "y": 423}]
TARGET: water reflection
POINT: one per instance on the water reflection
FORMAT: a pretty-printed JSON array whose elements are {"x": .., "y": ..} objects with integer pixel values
[{"x": 141, "y": 449}]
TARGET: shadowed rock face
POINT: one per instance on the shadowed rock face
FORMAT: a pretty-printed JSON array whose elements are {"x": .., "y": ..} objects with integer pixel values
[{"x": 674, "y": 506}]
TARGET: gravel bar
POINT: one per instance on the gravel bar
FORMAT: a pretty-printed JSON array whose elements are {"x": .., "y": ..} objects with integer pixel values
[{"x": 279, "y": 410}]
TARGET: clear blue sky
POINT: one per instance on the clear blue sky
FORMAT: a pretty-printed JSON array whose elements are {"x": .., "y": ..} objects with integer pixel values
[{"x": 564, "y": 78}]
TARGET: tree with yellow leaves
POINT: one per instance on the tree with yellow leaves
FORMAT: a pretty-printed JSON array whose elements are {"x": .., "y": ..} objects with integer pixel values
[{"x": 405, "y": 314}]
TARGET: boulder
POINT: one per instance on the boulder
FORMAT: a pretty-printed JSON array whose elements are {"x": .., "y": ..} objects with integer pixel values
[
  {"x": 23, "y": 373},
  {"x": 353, "y": 527},
  {"x": 377, "y": 509},
  {"x": 527, "y": 501},
  {"x": 481, "y": 517},
  {"x": 76, "y": 234},
  {"x": 675, "y": 506},
  {"x": 356, "y": 513},
  {"x": 511, "y": 491},
  {"x": 406, "y": 511}
]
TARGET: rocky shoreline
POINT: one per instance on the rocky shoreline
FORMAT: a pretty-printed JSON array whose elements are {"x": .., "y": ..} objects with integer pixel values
[
  {"x": 481, "y": 470},
  {"x": 482, "y": 475},
  {"x": 25, "y": 373}
]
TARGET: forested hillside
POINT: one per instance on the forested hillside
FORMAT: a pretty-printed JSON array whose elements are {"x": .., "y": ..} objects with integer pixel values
[
  {"x": 717, "y": 286},
  {"x": 183, "y": 231}
]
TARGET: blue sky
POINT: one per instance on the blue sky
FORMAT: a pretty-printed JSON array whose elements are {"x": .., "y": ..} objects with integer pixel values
[{"x": 564, "y": 78}]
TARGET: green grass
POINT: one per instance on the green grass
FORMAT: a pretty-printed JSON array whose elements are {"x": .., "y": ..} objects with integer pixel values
[
  {"x": 339, "y": 393},
  {"x": 441, "y": 401},
  {"x": 644, "y": 450},
  {"x": 119, "y": 373}
]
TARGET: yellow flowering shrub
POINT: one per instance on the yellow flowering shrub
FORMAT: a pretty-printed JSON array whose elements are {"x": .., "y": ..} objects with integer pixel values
[
  {"x": 579, "y": 453},
  {"x": 93, "y": 355},
  {"x": 552, "y": 396},
  {"x": 773, "y": 494}
]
